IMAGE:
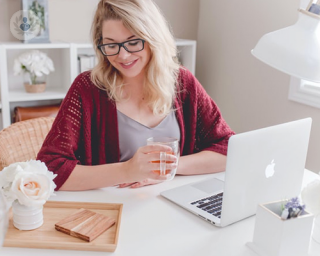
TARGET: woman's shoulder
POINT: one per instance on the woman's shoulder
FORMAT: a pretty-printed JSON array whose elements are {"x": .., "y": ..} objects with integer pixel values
[
  {"x": 184, "y": 73},
  {"x": 83, "y": 88},
  {"x": 186, "y": 80},
  {"x": 83, "y": 81}
]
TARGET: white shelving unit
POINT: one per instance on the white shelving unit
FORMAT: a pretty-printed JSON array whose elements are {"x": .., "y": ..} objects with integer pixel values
[
  {"x": 187, "y": 53},
  {"x": 64, "y": 56}
]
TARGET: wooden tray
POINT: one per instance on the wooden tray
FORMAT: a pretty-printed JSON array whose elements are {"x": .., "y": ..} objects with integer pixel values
[{"x": 47, "y": 237}]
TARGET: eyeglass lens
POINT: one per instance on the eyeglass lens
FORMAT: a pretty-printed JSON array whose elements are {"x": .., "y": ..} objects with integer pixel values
[{"x": 130, "y": 46}]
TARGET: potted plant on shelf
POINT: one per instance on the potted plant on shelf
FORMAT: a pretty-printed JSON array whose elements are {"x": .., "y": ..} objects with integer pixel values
[{"x": 34, "y": 64}]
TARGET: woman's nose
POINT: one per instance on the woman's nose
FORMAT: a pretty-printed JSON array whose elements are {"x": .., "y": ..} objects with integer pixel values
[{"x": 123, "y": 54}]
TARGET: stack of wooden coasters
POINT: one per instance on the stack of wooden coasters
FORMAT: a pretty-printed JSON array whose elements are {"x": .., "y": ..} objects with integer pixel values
[{"x": 85, "y": 224}]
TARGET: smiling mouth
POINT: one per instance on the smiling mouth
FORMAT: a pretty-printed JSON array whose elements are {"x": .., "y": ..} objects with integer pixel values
[{"x": 128, "y": 64}]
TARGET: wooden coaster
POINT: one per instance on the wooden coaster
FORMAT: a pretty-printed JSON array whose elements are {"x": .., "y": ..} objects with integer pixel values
[{"x": 85, "y": 224}]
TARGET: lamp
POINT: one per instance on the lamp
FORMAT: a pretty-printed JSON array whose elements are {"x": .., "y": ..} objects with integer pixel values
[{"x": 294, "y": 50}]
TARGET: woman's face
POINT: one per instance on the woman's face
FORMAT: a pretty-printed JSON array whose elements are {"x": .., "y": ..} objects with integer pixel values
[{"x": 130, "y": 65}]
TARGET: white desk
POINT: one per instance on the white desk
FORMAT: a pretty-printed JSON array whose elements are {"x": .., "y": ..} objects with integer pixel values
[{"x": 153, "y": 226}]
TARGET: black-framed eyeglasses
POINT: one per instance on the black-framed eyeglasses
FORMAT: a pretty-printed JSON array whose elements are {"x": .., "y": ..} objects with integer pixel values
[{"x": 133, "y": 45}]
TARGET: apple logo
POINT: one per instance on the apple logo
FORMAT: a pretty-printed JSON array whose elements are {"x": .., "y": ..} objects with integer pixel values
[{"x": 269, "y": 172}]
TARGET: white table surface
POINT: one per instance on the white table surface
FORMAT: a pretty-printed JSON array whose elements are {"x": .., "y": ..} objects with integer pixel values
[{"x": 153, "y": 226}]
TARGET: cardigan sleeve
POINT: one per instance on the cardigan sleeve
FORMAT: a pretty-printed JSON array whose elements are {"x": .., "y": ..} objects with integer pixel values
[
  {"x": 60, "y": 148},
  {"x": 211, "y": 132}
]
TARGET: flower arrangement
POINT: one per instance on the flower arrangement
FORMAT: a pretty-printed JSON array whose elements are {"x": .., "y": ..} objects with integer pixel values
[
  {"x": 30, "y": 183},
  {"x": 35, "y": 63},
  {"x": 292, "y": 209}
]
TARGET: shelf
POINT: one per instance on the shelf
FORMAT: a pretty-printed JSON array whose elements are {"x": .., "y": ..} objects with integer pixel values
[
  {"x": 19, "y": 45},
  {"x": 83, "y": 45},
  {"x": 49, "y": 94},
  {"x": 185, "y": 42}
]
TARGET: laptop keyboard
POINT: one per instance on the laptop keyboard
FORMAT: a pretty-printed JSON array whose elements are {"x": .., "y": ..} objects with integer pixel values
[{"x": 211, "y": 204}]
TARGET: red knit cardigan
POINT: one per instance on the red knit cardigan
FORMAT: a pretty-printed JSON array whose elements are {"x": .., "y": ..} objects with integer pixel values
[{"x": 85, "y": 130}]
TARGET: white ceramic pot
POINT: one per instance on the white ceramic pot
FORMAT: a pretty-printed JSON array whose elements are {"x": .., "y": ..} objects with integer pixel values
[
  {"x": 27, "y": 217},
  {"x": 274, "y": 236},
  {"x": 34, "y": 86}
]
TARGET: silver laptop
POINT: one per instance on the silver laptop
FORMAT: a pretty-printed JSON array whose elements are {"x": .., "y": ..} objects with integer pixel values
[{"x": 262, "y": 166}]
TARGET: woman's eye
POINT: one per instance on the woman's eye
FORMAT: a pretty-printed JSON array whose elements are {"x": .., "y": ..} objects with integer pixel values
[
  {"x": 133, "y": 43},
  {"x": 111, "y": 46}
]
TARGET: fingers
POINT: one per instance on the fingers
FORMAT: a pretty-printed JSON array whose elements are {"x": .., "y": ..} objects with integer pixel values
[
  {"x": 140, "y": 184},
  {"x": 156, "y": 147},
  {"x": 147, "y": 160},
  {"x": 156, "y": 180},
  {"x": 171, "y": 166},
  {"x": 156, "y": 166},
  {"x": 156, "y": 176},
  {"x": 146, "y": 182},
  {"x": 155, "y": 156},
  {"x": 124, "y": 185}
]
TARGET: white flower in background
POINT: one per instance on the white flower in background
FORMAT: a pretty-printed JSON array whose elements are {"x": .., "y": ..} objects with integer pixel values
[
  {"x": 31, "y": 183},
  {"x": 17, "y": 69},
  {"x": 311, "y": 197},
  {"x": 35, "y": 63}
]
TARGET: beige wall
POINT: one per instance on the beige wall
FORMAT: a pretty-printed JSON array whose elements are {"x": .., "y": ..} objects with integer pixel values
[
  {"x": 7, "y": 9},
  {"x": 249, "y": 93},
  {"x": 70, "y": 20}
]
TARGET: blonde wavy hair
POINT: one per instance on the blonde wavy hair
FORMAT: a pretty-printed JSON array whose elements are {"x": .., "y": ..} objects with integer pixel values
[{"x": 144, "y": 19}]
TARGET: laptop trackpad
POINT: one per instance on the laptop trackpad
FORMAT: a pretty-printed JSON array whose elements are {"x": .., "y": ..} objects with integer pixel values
[{"x": 209, "y": 186}]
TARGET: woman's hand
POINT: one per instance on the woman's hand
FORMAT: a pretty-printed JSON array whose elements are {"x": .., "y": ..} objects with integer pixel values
[
  {"x": 146, "y": 161},
  {"x": 140, "y": 184}
]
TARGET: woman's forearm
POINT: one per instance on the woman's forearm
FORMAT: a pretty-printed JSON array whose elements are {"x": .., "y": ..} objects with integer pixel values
[
  {"x": 138, "y": 168},
  {"x": 97, "y": 176},
  {"x": 201, "y": 163}
]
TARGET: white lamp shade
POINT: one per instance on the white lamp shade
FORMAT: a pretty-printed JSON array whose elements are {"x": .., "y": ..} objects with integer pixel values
[{"x": 294, "y": 50}]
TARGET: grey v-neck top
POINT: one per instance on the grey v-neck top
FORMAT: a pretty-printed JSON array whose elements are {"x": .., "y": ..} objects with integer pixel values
[{"x": 133, "y": 134}]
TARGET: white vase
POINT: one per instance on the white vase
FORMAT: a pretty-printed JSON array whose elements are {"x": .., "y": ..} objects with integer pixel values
[
  {"x": 27, "y": 217},
  {"x": 316, "y": 229}
]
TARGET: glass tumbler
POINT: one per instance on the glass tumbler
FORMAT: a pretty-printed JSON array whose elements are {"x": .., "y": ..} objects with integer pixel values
[{"x": 174, "y": 144}]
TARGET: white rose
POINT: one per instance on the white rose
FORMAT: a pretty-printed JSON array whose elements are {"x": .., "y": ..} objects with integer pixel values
[
  {"x": 8, "y": 173},
  {"x": 36, "y": 166},
  {"x": 17, "y": 67},
  {"x": 32, "y": 188},
  {"x": 26, "y": 59},
  {"x": 36, "y": 68},
  {"x": 311, "y": 197},
  {"x": 49, "y": 64},
  {"x": 30, "y": 182},
  {"x": 36, "y": 62}
]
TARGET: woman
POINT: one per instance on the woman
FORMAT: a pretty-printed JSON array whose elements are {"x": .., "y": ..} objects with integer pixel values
[{"x": 136, "y": 90}]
